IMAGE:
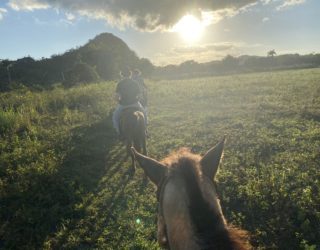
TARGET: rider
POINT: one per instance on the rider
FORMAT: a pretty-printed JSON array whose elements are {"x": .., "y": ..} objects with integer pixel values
[
  {"x": 127, "y": 93},
  {"x": 136, "y": 76}
]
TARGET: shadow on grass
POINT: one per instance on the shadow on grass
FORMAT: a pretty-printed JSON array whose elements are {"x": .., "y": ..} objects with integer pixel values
[
  {"x": 87, "y": 226},
  {"x": 50, "y": 199},
  {"x": 104, "y": 208}
]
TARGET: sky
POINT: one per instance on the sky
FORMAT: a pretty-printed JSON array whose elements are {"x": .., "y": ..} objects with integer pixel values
[{"x": 164, "y": 31}]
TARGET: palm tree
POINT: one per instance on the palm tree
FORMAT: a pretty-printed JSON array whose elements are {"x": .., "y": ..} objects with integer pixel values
[{"x": 272, "y": 53}]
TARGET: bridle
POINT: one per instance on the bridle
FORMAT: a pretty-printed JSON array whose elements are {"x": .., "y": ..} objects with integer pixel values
[{"x": 164, "y": 180}]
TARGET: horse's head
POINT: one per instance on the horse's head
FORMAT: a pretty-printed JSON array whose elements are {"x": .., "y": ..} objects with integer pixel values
[{"x": 189, "y": 214}]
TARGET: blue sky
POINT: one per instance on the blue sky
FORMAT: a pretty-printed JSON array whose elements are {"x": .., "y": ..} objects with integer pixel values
[{"x": 41, "y": 28}]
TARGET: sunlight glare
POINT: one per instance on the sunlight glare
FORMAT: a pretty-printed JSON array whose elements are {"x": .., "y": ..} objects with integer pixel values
[{"x": 190, "y": 28}]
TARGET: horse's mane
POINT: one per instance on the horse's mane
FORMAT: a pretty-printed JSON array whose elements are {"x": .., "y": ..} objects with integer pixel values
[
  {"x": 208, "y": 225},
  {"x": 175, "y": 157}
]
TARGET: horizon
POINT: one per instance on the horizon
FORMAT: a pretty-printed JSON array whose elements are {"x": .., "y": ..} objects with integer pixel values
[
  {"x": 192, "y": 59},
  {"x": 203, "y": 33}
]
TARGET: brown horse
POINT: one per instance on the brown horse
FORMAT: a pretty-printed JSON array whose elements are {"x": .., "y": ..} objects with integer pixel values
[
  {"x": 189, "y": 212},
  {"x": 133, "y": 129}
]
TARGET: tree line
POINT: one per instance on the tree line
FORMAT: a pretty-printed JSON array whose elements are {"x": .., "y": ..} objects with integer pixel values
[
  {"x": 103, "y": 57},
  {"x": 235, "y": 65}
]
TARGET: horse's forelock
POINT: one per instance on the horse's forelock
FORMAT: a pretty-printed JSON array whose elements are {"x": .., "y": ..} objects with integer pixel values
[{"x": 177, "y": 158}]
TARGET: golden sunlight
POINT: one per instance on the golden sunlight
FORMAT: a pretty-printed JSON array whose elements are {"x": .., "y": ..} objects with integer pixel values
[{"x": 190, "y": 28}]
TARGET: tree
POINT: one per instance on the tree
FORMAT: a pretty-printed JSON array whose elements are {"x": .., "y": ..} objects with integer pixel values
[
  {"x": 271, "y": 53},
  {"x": 229, "y": 63},
  {"x": 9, "y": 73},
  {"x": 80, "y": 73}
]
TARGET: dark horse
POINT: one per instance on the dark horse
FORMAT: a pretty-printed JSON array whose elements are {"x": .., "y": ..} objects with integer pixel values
[
  {"x": 133, "y": 129},
  {"x": 189, "y": 212}
]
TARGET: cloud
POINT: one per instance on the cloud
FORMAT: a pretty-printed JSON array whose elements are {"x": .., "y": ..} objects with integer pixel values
[
  {"x": 289, "y": 3},
  {"x": 144, "y": 15},
  {"x": 265, "y": 19},
  {"x": 265, "y": 2},
  {"x": 204, "y": 48},
  {"x": 203, "y": 53},
  {"x": 28, "y": 5},
  {"x": 2, "y": 12},
  {"x": 70, "y": 17}
]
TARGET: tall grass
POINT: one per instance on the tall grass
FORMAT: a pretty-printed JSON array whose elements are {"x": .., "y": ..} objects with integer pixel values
[
  {"x": 64, "y": 182},
  {"x": 7, "y": 121}
]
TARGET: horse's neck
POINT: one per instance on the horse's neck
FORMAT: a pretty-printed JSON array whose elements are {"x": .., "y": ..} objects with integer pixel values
[
  {"x": 184, "y": 228},
  {"x": 176, "y": 216}
]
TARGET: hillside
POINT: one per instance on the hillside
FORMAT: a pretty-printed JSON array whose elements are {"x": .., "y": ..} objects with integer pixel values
[
  {"x": 101, "y": 58},
  {"x": 64, "y": 182}
]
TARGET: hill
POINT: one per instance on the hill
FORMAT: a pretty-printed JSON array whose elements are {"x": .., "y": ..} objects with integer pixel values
[
  {"x": 64, "y": 181},
  {"x": 100, "y": 59}
]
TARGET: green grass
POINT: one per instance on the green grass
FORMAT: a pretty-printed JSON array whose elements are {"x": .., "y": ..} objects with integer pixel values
[{"x": 64, "y": 180}]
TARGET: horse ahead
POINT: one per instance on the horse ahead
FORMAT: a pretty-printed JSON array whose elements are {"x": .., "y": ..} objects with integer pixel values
[
  {"x": 133, "y": 129},
  {"x": 189, "y": 212}
]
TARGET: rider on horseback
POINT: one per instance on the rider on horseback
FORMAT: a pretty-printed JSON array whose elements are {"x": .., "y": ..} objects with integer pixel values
[
  {"x": 127, "y": 94},
  {"x": 136, "y": 76}
]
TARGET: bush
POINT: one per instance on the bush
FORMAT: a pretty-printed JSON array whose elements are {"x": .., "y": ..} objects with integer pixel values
[
  {"x": 80, "y": 73},
  {"x": 7, "y": 121}
]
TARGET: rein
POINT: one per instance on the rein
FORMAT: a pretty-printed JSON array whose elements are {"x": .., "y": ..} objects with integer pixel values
[
  {"x": 159, "y": 194},
  {"x": 161, "y": 186}
]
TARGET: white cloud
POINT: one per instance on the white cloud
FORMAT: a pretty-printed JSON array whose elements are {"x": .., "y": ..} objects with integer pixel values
[
  {"x": 147, "y": 15},
  {"x": 28, "y": 5},
  {"x": 205, "y": 48},
  {"x": 2, "y": 12},
  {"x": 203, "y": 53},
  {"x": 265, "y": 19},
  {"x": 265, "y": 2},
  {"x": 289, "y": 3},
  {"x": 39, "y": 22},
  {"x": 70, "y": 17}
]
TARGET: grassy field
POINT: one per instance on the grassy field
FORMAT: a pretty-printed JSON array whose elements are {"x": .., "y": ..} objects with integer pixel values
[{"x": 64, "y": 180}]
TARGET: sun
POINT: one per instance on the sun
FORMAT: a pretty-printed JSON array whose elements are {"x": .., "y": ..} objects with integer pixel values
[{"x": 190, "y": 28}]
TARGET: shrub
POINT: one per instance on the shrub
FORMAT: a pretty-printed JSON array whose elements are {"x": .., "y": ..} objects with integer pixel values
[
  {"x": 80, "y": 73},
  {"x": 7, "y": 121}
]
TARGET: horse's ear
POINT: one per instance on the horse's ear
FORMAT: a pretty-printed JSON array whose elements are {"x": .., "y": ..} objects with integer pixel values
[
  {"x": 152, "y": 168},
  {"x": 210, "y": 161}
]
